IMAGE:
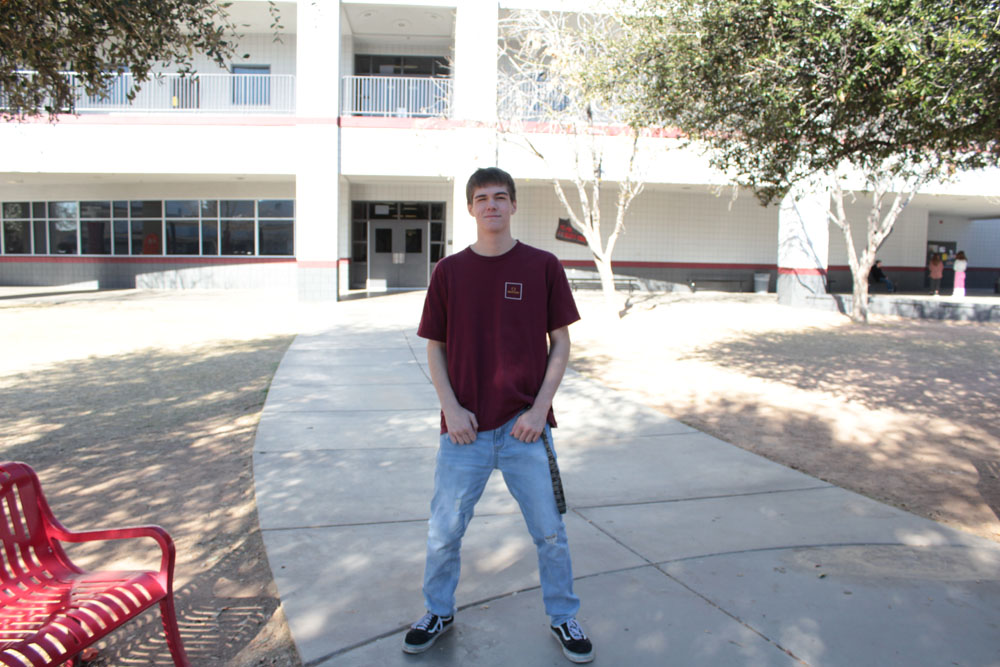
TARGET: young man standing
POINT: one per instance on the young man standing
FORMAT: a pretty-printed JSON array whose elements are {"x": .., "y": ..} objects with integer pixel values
[{"x": 496, "y": 320}]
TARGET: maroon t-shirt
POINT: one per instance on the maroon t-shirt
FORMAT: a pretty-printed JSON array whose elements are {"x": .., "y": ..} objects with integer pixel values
[{"x": 494, "y": 315}]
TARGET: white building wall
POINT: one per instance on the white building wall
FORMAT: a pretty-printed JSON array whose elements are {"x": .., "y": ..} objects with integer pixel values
[
  {"x": 658, "y": 160},
  {"x": 347, "y": 49},
  {"x": 260, "y": 49},
  {"x": 980, "y": 239},
  {"x": 264, "y": 49},
  {"x": 403, "y": 152},
  {"x": 402, "y": 191},
  {"x": 138, "y": 145},
  {"x": 906, "y": 246},
  {"x": 661, "y": 227}
]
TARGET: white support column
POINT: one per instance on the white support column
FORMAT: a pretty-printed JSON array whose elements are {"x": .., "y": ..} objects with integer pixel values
[
  {"x": 318, "y": 149},
  {"x": 804, "y": 248},
  {"x": 475, "y": 106},
  {"x": 475, "y": 71}
]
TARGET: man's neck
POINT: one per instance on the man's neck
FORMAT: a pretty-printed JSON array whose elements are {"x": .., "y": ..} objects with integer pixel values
[{"x": 493, "y": 246}]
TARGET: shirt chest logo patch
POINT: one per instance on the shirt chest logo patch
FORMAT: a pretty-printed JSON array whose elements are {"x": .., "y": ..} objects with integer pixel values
[{"x": 513, "y": 291}]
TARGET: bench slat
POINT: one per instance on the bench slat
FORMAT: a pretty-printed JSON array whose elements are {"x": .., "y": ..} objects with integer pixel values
[{"x": 50, "y": 609}]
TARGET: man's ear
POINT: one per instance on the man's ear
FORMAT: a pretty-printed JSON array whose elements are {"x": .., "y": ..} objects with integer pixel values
[
  {"x": 469, "y": 206},
  {"x": 513, "y": 206}
]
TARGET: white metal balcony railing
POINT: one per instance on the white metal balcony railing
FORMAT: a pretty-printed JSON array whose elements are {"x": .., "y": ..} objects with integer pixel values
[
  {"x": 400, "y": 96},
  {"x": 403, "y": 96},
  {"x": 199, "y": 93}
]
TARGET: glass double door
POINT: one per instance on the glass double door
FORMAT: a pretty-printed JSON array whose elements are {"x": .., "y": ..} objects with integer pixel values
[{"x": 397, "y": 253}]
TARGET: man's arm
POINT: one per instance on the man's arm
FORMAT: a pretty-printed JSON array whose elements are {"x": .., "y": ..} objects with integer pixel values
[
  {"x": 461, "y": 424},
  {"x": 530, "y": 425}
]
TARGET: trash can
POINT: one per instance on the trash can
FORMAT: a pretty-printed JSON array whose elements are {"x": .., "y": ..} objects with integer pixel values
[{"x": 760, "y": 282}]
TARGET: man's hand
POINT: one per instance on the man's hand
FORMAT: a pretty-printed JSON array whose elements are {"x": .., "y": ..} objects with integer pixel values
[
  {"x": 529, "y": 426},
  {"x": 462, "y": 426}
]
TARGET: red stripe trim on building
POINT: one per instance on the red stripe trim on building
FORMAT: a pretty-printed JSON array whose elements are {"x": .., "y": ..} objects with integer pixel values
[
  {"x": 534, "y": 127},
  {"x": 586, "y": 263},
  {"x": 384, "y": 122},
  {"x": 174, "y": 119},
  {"x": 391, "y": 122},
  {"x": 785, "y": 271},
  {"x": 911, "y": 269},
  {"x": 542, "y": 127},
  {"x": 319, "y": 265},
  {"x": 151, "y": 259}
]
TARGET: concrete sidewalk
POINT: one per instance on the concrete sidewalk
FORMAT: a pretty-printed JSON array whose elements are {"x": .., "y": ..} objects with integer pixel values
[{"x": 687, "y": 550}]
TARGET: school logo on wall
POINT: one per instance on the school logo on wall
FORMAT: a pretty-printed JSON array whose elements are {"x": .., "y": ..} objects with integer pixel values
[
  {"x": 512, "y": 291},
  {"x": 566, "y": 232}
]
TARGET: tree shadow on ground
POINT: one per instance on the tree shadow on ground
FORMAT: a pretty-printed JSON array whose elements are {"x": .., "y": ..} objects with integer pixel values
[
  {"x": 902, "y": 411},
  {"x": 925, "y": 479},
  {"x": 164, "y": 437},
  {"x": 944, "y": 369}
]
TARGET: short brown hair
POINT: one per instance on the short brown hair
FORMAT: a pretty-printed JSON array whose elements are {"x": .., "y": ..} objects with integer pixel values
[{"x": 490, "y": 176}]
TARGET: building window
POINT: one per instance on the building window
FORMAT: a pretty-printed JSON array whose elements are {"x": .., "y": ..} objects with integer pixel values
[
  {"x": 252, "y": 85},
  {"x": 414, "y": 241},
  {"x": 275, "y": 227},
  {"x": 237, "y": 237},
  {"x": 182, "y": 226},
  {"x": 95, "y": 227},
  {"x": 383, "y": 240},
  {"x": 437, "y": 233},
  {"x": 236, "y": 227},
  {"x": 359, "y": 232},
  {"x": 119, "y": 210},
  {"x": 149, "y": 227},
  {"x": 63, "y": 216},
  {"x": 210, "y": 227},
  {"x": 374, "y": 65},
  {"x": 16, "y": 228}
]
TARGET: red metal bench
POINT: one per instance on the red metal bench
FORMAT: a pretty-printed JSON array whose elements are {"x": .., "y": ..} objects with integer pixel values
[{"x": 50, "y": 609}]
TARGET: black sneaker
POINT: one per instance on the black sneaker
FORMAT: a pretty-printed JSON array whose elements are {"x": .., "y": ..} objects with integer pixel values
[
  {"x": 425, "y": 632},
  {"x": 575, "y": 644}
]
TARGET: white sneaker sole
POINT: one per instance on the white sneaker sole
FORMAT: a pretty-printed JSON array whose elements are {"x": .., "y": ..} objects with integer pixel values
[
  {"x": 578, "y": 658},
  {"x": 420, "y": 648}
]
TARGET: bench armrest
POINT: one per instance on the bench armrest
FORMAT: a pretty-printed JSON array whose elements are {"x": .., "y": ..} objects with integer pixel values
[{"x": 163, "y": 539}]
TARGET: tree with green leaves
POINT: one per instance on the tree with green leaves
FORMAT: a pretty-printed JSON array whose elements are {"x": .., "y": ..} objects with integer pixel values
[
  {"x": 792, "y": 94},
  {"x": 42, "y": 40}
]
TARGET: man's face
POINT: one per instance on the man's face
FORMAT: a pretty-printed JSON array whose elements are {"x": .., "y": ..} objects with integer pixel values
[{"x": 492, "y": 207}]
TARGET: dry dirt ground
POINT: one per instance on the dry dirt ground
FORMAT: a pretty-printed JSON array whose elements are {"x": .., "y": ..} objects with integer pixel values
[
  {"x": 904, "y": 411},
  {"x": 141, "y": 407}
]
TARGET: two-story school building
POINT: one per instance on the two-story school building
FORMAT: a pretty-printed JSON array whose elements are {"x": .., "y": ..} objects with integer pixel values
[{"x": 334, "y": 158}]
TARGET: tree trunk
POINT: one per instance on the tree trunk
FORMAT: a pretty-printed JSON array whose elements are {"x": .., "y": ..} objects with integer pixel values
[
  {"x": 607, "y": 276},
  {"x": 859, "y": 297}
]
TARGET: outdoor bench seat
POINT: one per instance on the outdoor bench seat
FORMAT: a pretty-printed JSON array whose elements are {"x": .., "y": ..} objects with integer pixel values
[
  {"x": 50, "y": 609},
  {"x": 595, "y": 283},
  {"x": 702, "y": 279}
]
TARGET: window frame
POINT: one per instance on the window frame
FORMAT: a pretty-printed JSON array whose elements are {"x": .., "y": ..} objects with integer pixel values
[{"x": 278, "y": 228}]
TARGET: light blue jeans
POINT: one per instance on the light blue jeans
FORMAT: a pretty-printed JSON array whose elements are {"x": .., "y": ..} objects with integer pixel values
[{"x": 461, "y": 475}]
